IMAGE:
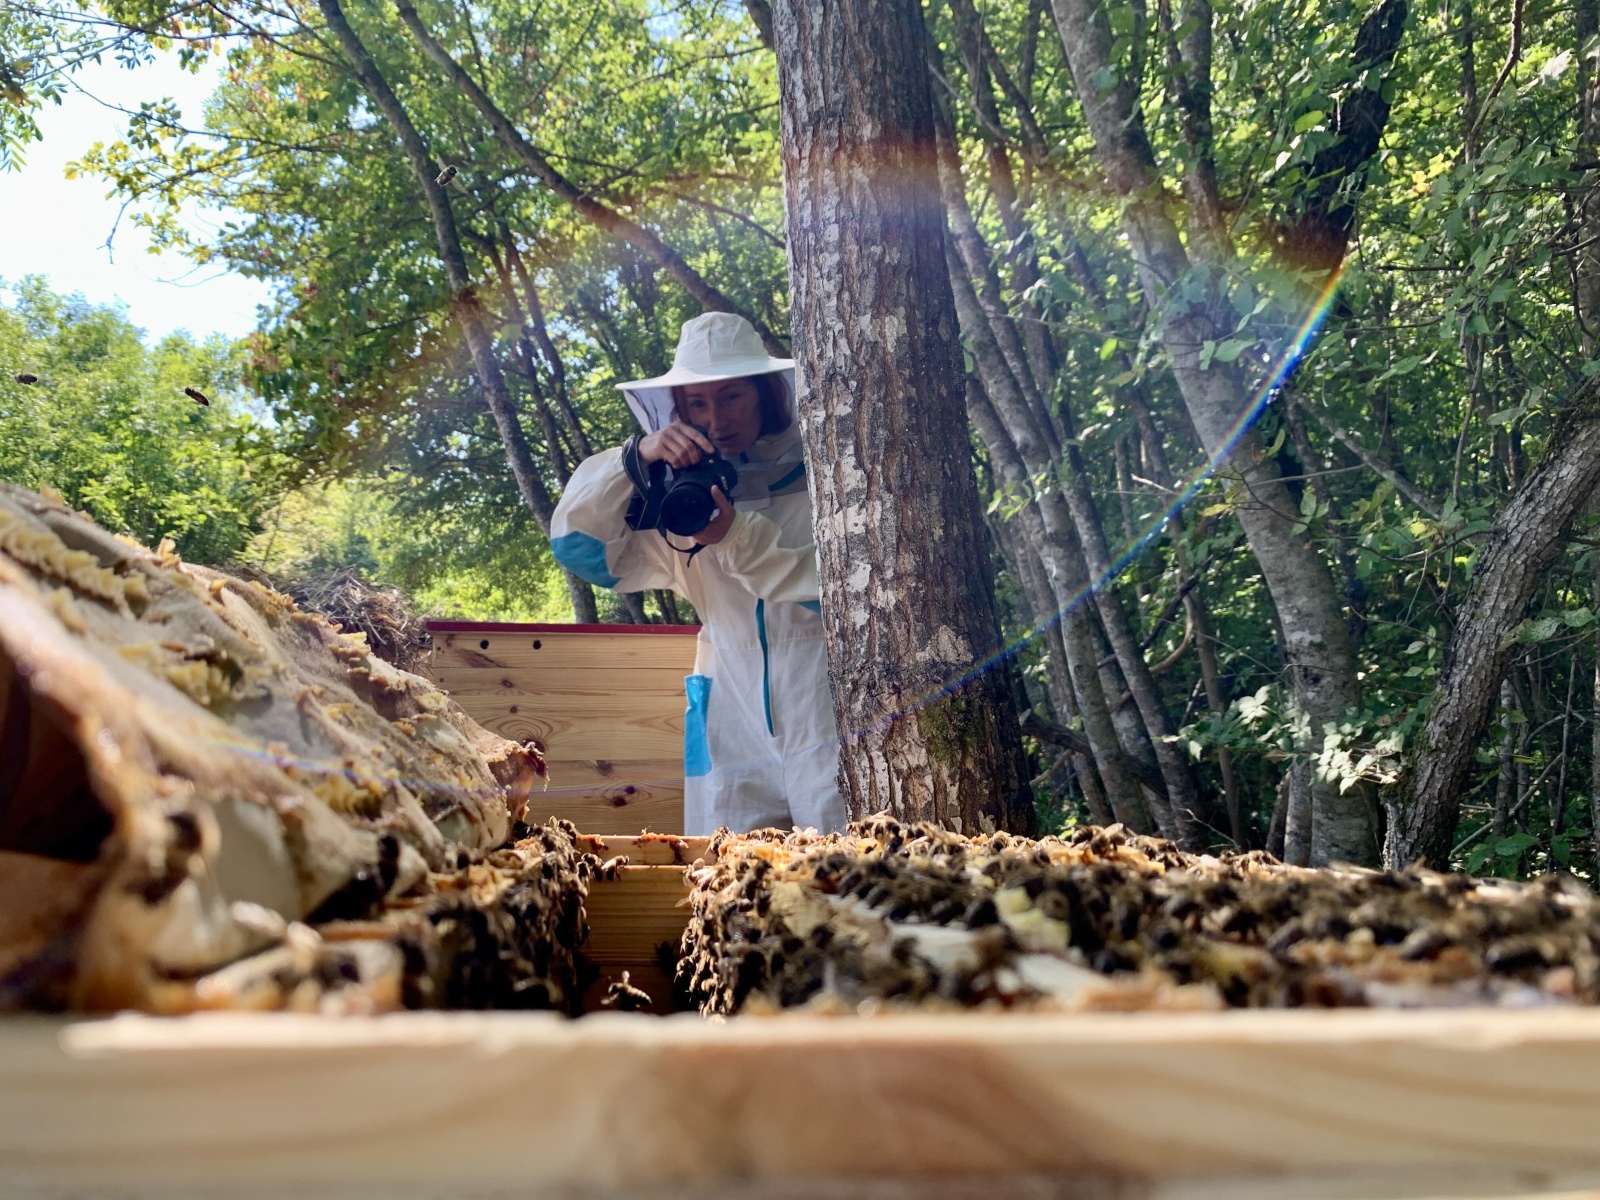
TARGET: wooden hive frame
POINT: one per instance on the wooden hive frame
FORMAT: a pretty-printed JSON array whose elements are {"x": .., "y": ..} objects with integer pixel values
[
  {"x": 605, "y": 703},
  {"x": 1296, "y": 1105},
  {"x": 1288, "y": 1105}
]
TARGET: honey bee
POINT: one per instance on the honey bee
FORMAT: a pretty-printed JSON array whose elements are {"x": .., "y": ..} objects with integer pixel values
[
  {"x": 25, "y": 377},
  {"x": 624, "y": 997},
  {"x": 446, "y": 175},
  {"x": 197, "y": 396}
]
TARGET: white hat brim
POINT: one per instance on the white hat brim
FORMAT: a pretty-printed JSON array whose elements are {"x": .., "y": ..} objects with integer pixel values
[
  {"x": 650, "y": 400},
  {"x": 738, "y": 369}
]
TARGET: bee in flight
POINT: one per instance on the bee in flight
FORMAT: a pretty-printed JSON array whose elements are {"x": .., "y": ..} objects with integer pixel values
[{"x": 198, "y": 397}]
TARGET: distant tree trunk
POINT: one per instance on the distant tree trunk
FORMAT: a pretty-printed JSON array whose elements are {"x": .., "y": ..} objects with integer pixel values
[
  {"x": 1320, "y": 659},
  {"x": 1070, "y": 513},
  {"x": 1296, "y": 785},
  {"x": 1316, "y": 239},
  {"x": 605, "y": 218},
  {"x": 927, "y": 730},
  {"x": 584, "y": 609},
  {"x": 1515, "y": 555},
  {"x": 1063, "y": 575},
  {"x": 464, "y": 301},
  {"x": 1506, "y": 775},
  {"x": 1587, "y": 273}
]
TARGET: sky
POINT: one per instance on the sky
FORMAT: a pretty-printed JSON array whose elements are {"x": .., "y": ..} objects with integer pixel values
[{"x": 59, "y": 227}]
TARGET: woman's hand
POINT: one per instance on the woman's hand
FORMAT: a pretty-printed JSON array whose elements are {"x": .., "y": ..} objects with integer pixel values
[
  {"x": 678, "y": 445},
  {"x": 721, "y": 523}
]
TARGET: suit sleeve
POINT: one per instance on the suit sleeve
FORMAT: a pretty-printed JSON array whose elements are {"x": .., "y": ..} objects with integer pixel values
[
  {"x": 752, "y": 555},
  {"x": 589, "y": 534}
]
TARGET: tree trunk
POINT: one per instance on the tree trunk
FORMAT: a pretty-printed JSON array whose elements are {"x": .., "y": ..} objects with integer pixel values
[
  {"x": 927, "y": 729},
  {"x": 465, "y": 304},
  {"x": 1063, "y": 575},
  {"x": 1594, "y": 727},
  {"x": 584, "y": 609},
  {"x": 1318, "y": 654},
  {"x": 1297, "y": 813},
  {"x": 1515, "y": 555},
  {"x": 1316, "y": 239},
  {"x": 1506, "y": 775},
  {"x": 1587, "y": 272},
  {"x": 1005, "y": 369}
]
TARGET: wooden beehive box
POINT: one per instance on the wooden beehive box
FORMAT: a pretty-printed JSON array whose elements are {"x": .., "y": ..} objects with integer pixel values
[
  {"x": 1300, "y": 1105},
  {"x": 605, "y": 703},
  {"x": 417, "y": 1106}
]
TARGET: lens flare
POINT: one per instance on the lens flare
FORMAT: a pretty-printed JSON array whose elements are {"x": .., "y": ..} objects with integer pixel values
[{"x": 1282, "y": 367}]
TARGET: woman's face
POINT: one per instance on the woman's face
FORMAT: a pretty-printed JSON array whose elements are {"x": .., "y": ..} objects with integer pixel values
[{"x": 729, "y": 411}]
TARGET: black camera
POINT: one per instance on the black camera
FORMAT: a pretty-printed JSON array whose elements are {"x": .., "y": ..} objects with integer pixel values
[
  {"x": 684, "y": 506},
  {"x": 687, "y": 505}
]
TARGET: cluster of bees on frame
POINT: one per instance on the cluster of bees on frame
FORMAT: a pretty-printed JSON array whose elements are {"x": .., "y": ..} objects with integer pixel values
[{"x": 891, "y": 915}]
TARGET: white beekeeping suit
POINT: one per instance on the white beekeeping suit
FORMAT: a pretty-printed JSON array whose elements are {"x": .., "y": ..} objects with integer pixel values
[{"x": 760, "y": 747}]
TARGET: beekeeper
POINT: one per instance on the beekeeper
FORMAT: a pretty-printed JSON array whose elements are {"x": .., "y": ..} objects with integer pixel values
[{"x": 759, "y": 744}]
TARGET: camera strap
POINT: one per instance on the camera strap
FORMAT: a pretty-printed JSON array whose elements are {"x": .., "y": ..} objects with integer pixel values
[{"x": 649, "y": 488}]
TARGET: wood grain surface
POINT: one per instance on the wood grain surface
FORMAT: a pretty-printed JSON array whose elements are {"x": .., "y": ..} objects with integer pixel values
[
  {"x": 1245, "y": 1105},
  {"x": 607, "y": 709},
  {"x": 565, "y": 651},
  {"x": 653, "y": 850},
  {"x": 633, "y": 915}
]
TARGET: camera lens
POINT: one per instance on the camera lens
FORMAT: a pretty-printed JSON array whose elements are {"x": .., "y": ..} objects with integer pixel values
[{"x": 687, "y": 508}]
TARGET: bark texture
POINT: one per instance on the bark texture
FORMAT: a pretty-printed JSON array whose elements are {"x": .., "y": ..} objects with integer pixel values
[
  {"x": 1586, "y": 18},
  {"x": 1316, "y": 239},
  {"x": 926, "y": 731},
  {"x": 1515, "y": 556}
]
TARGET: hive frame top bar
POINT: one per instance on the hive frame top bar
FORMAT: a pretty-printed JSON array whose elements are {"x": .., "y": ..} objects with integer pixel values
[{"x": 1286, "y": 1104}]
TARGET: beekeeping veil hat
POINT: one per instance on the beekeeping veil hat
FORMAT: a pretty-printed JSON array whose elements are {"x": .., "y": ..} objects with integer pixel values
[{"x": 711, "y": 347}]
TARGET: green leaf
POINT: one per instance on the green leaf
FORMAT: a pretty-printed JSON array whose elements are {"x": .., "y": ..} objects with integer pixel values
[
  {"x": 1309, "y": 120},
  {"x": 1510, "y": 847},
  {"x": 1231, "y": 349}
]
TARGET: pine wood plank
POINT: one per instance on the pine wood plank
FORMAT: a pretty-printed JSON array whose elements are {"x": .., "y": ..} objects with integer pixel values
[
  {"x": 620, "y": 709},
  {"x": 564, "y": 651},
  {"x": 514, "y": 685},
  {"x": 577, "y": 776},
  {"x": 632, "y": 916},
  {"x": 1287, "y": 1105},
  {"x": 607, "y": 708},
  {"x": 617, "y": 810},
  {"x": 624, "y": 736},
  {"x": 653, "y": 849}
]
